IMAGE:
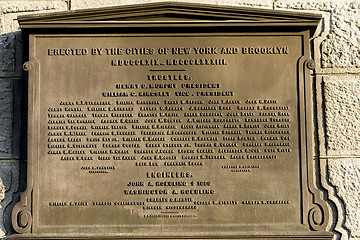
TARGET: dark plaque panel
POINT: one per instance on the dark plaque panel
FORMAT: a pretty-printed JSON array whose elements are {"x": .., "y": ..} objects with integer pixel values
[
  {"x": 168, "y": 130},
  {"x": 171, "y": 135}
]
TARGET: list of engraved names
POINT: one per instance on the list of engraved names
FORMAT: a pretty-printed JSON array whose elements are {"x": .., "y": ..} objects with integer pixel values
[{"x": 179, "y": 122}]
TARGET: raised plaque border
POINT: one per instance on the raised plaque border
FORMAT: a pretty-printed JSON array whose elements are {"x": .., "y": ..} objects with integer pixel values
[{"x": 168, "y": 17}]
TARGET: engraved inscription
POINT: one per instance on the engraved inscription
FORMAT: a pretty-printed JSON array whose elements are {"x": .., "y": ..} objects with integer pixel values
[{"x": 176, "y": 131}]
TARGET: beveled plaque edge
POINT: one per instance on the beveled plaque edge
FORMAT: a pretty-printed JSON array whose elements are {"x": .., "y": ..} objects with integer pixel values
[
  {"x": 146, "y": 10},
  {"x": 171, "y": 14},
  {"x": 23, "y": 211}
]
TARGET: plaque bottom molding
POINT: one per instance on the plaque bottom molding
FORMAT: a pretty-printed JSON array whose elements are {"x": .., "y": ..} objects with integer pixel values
[{"x": 253, "y": 236}]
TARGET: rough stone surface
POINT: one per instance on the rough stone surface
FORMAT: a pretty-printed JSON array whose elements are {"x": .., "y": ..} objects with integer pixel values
[
  {"x": 11, "y": 54},
  {"x": 341, "y": 47},
  {"x": 7, "y": 53},
  {"x": 9, "y": 175},
  {"x": 78, "y": 4},
  {"x": 342, "y": 113},
  {"x": 6, "y": 117},
  {"x": 11, "y": 24},
  {"x": 10, "y": 36},
  {"x": 31, "y": 6},
  {"x": 1, "y": 22},
  {"x": 345, "y": 175},
  {"x": 2, "y": 196}
]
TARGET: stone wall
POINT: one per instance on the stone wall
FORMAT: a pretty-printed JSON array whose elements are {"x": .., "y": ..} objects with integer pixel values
[{"x": 336, "y": 99}]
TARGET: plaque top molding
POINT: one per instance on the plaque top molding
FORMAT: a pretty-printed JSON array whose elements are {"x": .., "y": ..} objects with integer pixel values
[{"x": 169, "y": 13}]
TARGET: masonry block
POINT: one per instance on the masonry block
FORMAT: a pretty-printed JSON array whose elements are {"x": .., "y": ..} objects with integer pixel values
[
  {"x": 31, "y": 6},
  {"x": 9, "y": 192},
  {"x": 340, "y": 49},
  {"x": 344, "y": 174},
  {"x": 10, "y": 118},
  {"x": 342, "y": 112}
]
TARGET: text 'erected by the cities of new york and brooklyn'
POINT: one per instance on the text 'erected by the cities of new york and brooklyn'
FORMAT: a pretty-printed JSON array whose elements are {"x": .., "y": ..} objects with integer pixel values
[{"x": 176, "y": 126}]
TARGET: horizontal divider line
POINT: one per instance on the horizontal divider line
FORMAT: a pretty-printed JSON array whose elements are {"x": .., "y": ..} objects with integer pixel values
[
  {"x": 167, "y": 70},
  {"x": 339, "y": 156}
]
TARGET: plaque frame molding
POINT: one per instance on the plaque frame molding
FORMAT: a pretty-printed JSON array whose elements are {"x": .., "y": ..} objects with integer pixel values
[{"x": 175, "y": 18}]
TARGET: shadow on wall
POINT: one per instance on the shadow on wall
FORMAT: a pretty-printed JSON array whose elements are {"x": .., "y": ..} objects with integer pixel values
[
  {"x": 13, "y": 112},
  {"x": 12, "y": 89},
  {"x": 13, "y": 176}
]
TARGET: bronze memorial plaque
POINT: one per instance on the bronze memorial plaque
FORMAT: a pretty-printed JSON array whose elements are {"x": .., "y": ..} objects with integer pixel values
[{"x": 169, "y": 132}]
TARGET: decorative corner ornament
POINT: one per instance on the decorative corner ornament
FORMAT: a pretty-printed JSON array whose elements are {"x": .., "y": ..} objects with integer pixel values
[
  {"x": 310, "y": 64},
  {"x": 27, "y": 66},
  {"x": 317, "y": 218},
  {"x": 22, "y": 218}
]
